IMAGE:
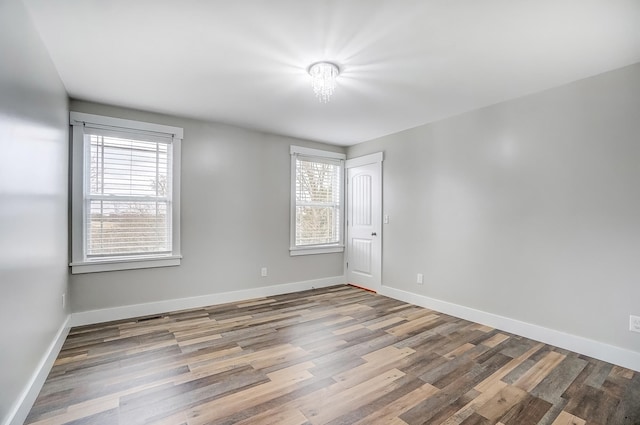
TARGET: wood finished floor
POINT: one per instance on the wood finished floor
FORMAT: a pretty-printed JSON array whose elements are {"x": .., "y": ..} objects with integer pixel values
[{"x": 338, "y": 355}]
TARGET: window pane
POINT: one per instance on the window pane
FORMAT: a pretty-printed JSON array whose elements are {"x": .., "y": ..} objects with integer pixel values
[
  {"x": 120, "y": 168},
  {"x": 317, "y": 202},
  {"x": 126, "y": 167},
  {"x": 316, "y": 225},
  {"x": 125, "y": 228},
  {"x": 317, "y": 182}
]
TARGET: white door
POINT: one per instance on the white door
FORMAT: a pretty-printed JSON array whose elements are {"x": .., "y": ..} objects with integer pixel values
[{"x": 364, "y": 221}]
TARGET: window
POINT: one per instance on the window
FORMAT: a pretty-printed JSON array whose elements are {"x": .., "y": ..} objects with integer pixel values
[
  {"x": 126, "y": 200},
  {"x": 317, "y": 182}
]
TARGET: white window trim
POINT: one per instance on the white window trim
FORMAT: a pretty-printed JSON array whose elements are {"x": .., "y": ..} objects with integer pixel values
[
  {"x": 79, "y": 263},
  {"x": 314, "y": 249}
]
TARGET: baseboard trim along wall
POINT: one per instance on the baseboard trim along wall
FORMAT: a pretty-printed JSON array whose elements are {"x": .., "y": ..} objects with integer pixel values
[
  {"x": 599, "y": 350},
  {"x": 23, "y": 404},
  {"x": 137, "y": 310},
  {"x": 609, "y": 353}
]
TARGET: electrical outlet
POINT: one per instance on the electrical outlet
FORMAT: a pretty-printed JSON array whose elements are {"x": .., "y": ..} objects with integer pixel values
[
  {"x": 419, "y": 279},
  {"x": 263, "y": 272},
  {"x": 386, "y": 219},
  {"x": 634, "y": 323}
]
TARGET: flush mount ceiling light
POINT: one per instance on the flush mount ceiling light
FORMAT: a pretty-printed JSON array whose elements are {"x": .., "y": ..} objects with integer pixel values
[{"x": 323, "y": 79}]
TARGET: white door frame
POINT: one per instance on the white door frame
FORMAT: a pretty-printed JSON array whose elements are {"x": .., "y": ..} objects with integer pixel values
[{"x": 375, "y": 158}]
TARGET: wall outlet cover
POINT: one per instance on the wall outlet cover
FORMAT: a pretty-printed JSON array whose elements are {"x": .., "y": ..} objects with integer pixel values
[{"x": 634, "y": 323}]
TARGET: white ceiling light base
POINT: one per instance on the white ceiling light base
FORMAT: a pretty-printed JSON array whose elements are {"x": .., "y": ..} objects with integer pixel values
[{"x": 323, "y": 79}]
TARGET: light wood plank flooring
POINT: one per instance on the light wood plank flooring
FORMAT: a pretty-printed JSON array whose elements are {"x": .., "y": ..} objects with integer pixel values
[{"x": 338, "y": 355}]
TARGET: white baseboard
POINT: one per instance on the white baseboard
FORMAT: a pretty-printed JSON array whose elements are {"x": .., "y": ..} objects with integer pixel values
[
  {"x": 23, "y": 404},
  {"x": 599, "y": 350},
  {"x": 136, "y": 310}
]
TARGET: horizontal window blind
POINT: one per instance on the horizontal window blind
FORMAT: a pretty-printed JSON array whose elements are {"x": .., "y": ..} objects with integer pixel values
[
  {"x": 127, "y": 195},
  {"x": 317, "y": 197}
]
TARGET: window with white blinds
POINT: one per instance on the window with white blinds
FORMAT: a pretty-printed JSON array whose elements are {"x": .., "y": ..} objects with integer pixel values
[
  {"x": 317, "y": 201},
  {"x": 125, "y": 203}
]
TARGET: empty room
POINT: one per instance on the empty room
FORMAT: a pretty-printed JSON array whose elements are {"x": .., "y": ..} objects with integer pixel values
[{"x": 306, "y": 212}]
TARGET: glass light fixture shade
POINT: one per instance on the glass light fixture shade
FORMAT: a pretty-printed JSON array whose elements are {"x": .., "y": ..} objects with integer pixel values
[{"x": 323, "y": 79}]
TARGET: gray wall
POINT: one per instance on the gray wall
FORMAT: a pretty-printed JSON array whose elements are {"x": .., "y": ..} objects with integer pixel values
[
  {"x": 33, "y": 202},
  {"x": 235, "y": 219},
  {"x": 528, "y": 209}
]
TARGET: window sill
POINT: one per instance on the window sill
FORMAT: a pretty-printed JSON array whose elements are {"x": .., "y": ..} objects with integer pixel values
[
  {"x": 315, "y": 250},
  {"x": 95, "y": 266}
]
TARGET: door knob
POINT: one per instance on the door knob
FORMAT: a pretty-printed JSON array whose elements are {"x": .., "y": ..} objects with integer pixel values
[{"x": 374, "y": 234}]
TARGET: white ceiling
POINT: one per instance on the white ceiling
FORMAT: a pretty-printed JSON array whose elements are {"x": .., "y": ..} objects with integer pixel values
[{"x": 404, "y": 62}]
